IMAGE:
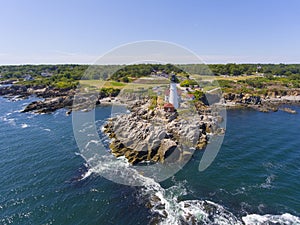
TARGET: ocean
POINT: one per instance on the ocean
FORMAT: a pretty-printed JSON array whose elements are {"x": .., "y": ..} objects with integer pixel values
[{"x": 45, "y": 180}]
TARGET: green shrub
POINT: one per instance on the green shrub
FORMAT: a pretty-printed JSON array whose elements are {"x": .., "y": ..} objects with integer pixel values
[
  {"x": 153, "y": 102},
  {"x": 109, "y": 92},
  {"x": 188, "y": 82}
]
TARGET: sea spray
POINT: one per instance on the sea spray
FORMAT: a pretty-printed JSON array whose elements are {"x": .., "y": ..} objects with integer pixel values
[
  {"x": 285, "y": 218},
  {"x": 163, "y": 203},
  {"x": 166, "y": 208}
]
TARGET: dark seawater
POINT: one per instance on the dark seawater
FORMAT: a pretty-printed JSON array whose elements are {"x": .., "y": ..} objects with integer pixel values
[{"x": 44, "y": 180}]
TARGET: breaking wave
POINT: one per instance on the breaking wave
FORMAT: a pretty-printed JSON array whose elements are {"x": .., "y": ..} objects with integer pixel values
[
  {"x": 166, "y": 207},
  {"x": 268, "y": 219},
  {"x": 165, "y": 204}
]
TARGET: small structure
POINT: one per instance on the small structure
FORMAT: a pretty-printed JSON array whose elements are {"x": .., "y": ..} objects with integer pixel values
[
  {"x": 173, "y": 98},
  {"x": 46, "y": 74},
  {"x": 173, "y": 94},
  {"x": 168, "y": 107},
  {"x": 258, "y": 68},
  {"x": 28, "y": 77},
  {"x": 190, "y": 97}
]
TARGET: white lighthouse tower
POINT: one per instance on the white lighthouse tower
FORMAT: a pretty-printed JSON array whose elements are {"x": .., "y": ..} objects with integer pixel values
[{"x": 173, "y": 98}]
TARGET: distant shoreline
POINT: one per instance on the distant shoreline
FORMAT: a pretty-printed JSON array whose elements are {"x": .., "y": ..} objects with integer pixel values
[{"x": 54, "y": 98}]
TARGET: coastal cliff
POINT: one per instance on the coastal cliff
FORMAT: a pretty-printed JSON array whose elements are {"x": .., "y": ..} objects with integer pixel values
[
  {"x": 53, "y": 98},
  {"x": 153, "y": 135}
]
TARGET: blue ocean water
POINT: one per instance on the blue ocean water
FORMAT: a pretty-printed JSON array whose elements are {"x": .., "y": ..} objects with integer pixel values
[{"x": 44, "y": 180}]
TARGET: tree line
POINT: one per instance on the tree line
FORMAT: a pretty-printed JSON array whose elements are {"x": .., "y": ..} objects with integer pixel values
[{"x": 123, "y": 73}]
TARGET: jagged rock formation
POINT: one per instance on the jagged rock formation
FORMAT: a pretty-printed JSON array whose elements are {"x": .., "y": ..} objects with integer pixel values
[
  {"x": 157, "y": 136},
  {"x": 270, "y": 103}
]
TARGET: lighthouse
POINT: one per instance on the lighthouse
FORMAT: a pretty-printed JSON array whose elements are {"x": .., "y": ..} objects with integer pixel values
[{"x": 173, "y": 98}]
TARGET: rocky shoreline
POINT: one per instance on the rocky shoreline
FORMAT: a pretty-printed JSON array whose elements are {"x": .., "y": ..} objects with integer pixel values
[
  {"x": 153, "y": 135},
  {"x": 148, "y": 135},
  {"x": 261, "y": 103},
  {"x": 55, "y": 98}
]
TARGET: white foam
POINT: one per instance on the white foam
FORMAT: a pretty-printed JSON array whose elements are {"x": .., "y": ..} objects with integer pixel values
[
  {"x": 268, "y": 182},
  {"x": 197, "y": 211},
  {"x": 164, "y": 202},
  {"x": 24, "y": 125},
  {"x": 6, "y": 118},
  {"x": 11, "y": 121},
  {"x": 102, "y": 129},
  {"x": 92, "y": 142},
  {"x": 86, "y": 175},
  {"x": 284, "y": 219},
  {"x": 86, "y": 127},
  {"x": 170, "y": 210}
]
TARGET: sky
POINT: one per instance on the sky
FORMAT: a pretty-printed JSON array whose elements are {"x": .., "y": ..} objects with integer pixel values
[{"x": 218, "y": 31}]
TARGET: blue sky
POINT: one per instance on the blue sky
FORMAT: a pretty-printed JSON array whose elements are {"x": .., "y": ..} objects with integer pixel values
[{"x": 219, "y": 31}]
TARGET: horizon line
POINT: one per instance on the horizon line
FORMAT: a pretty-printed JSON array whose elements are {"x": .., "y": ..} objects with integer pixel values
[{"x": 120, "y": 64}]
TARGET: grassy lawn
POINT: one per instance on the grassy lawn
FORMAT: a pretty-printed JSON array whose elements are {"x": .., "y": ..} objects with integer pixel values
[
  {"x": 231, "y": 78},
  {"x": 113, "y": 84},
  {"x": 208, "y": 88},
  {"x": 145, "y": 84}
]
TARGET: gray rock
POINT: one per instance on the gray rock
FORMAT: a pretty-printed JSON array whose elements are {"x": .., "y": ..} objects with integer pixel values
[
  {"x": 148, "y": 135},
  {"x": 165, "y": 146}
]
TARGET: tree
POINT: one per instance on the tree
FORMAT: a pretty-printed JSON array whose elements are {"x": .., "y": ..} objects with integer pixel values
[{"x": 125, "y": 79}]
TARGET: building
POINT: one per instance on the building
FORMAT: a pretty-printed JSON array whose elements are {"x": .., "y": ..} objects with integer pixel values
[
  {"x": 173, "y": 99},
  {"x": 28, "y": 77},
  {"x": 168, "y": 107},
  {"x": 167, "y": 95},
  {"x": 190, "y": 97},
  {"x": 46, "y": 74}
]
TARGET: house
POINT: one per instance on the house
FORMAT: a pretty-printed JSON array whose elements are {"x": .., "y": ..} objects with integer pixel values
[
  {"x": 46, "y": 74},
  {"x": 168, "y": 107},
  {"x": 28, "y": 77},
  {"x": 190, "y": 97}
]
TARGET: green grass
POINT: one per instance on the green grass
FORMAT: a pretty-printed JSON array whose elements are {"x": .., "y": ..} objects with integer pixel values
[
  {"x": 208, "y": 88},
  {"x": 212, "y": 78},
  {"x": 114, "y": 84}
]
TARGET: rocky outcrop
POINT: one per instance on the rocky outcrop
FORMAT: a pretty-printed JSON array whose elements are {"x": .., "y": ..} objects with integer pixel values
[
  {"x": 5, "y": 82},
  {"x": 49, "y": 105},
  {"x": 56, "y": 98},
  {"x": 53, "y": 98},
  {"x": 288, "y": 110},
  {"x": 155, "y": 135},
  {"x": 241, "y": 98},
  {"x": 15, "y": 90},
  {"x": 272, "y": 102}
]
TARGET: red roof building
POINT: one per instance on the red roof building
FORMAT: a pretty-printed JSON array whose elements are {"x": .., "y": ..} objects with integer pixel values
[
  {"x": 168, "y": 107},
  {"x": 190, "y": 96}
]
